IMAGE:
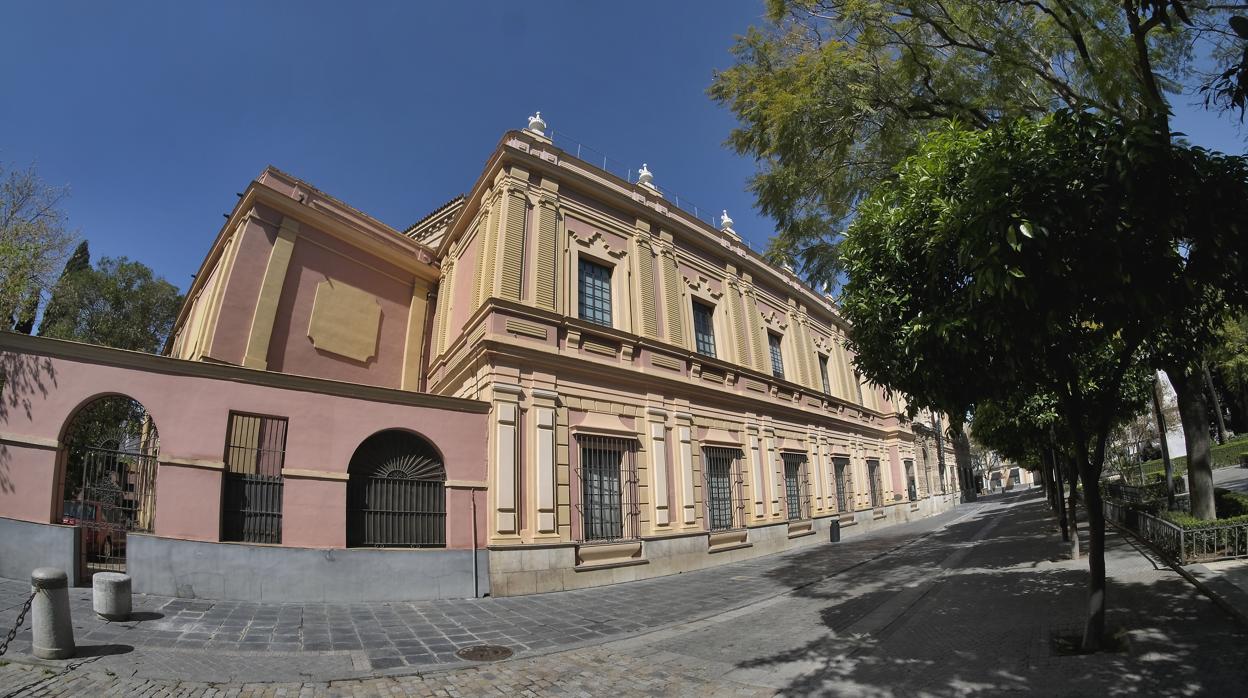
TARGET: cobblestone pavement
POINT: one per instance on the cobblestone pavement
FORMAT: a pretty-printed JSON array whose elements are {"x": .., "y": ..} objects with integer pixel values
[
  {"x": 214, "y": 640},
  {"x": 970, "y": 610}
]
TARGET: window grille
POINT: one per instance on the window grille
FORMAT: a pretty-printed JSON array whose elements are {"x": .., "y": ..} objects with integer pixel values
[
  {"x": 795, "y": 485},
  {"x": 823, "y": 373},
  {"x": 842, "y": 484},
  {"x": 858, "y": 384},
  {"x": 725, "y": 501},
  {"x": 255, "y": 450},
  {"x": 608, "y": 476},
  {"x": 777, "y": 359},
  {"x": 877, "y": 488},
  {"x": 704, "y": 328},
  {"x": 595, "y": 292},
  {"x": 396, "y": 493},
  {"x": 911, "y": 482}
]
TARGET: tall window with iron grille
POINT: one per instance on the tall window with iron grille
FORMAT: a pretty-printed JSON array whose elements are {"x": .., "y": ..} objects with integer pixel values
[
  {"x": 725, "y": 482},
  {"x": 251, "y": 493},
  {"x": 877, "y": 486},
  {"x": 795, "y": 486},
  {"x": 843, "y": 486},
  {"x": 608, "y": 493}
]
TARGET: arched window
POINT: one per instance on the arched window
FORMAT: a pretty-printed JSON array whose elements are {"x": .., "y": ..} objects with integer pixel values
[
  {"x": 108, "y": 485},
  {"x": 396, "y": 493}
]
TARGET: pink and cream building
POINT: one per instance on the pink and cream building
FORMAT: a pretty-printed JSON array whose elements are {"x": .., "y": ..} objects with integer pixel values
[{"x": 558, "y": 380}]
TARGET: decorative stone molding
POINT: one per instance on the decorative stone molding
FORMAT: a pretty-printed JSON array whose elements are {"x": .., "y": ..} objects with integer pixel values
[{"x": 596, "y": 243}]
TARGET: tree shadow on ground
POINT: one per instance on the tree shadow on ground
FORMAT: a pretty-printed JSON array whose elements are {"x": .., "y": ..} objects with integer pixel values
[{"x": 984, "y": 624}]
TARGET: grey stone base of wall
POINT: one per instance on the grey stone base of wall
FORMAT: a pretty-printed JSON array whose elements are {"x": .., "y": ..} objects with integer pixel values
[
  {"x": 539, "y": 569},
  {"x": 276, "y": 574},
  {"x": 25, "y": 545}
]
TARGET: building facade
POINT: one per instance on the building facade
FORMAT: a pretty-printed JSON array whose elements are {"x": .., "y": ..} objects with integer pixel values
[{"x": 558, "y": 380}]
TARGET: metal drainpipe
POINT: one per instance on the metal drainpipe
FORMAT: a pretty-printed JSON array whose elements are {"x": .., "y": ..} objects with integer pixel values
[{"x": 476, "y": 589}]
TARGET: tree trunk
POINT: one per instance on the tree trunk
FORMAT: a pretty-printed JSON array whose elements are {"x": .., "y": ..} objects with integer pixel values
[
  {"x": 1195, "y": 418},
  {"x": 1214, "y": 402},
  {"x": 1072, "y": 507},
  {"x": 1094, "y": 630},
  {"x": 1165, "y": 447}
]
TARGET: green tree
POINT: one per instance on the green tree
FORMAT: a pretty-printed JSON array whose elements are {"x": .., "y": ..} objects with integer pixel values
[
  {"x": 119, "y": 303},
  {"x": 1005, "y": 261},
  {"x": 33, "y": 240},
  {"x": 58, "y": 307},
  {"x": 831, "y": 94}
]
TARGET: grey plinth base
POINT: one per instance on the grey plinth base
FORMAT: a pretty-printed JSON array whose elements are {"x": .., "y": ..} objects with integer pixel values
[
  {"x": 52, "y": 629},
  {"x": 110, "y": 595}
]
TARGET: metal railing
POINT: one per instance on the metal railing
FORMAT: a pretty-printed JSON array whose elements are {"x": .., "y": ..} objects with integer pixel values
[
  {"x": 1183, "y": 545},
  {"x": 597, "y": 158}
]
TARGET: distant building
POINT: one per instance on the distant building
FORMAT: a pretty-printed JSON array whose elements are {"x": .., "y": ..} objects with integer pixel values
[{"x": 558, "y": 380}]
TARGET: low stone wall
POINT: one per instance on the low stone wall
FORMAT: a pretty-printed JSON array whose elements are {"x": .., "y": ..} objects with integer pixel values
[
  {"x": 522, "y": 570},
  {"x": 25, "y": 545},
  {"x": 245, "y": 572}
]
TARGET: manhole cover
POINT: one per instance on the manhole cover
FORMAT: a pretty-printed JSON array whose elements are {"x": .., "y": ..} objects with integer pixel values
[{"x": 484, "y": 653}]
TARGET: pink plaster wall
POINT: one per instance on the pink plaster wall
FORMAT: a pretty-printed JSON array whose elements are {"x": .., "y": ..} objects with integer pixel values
[
  {"x": 238, "y": 303},
  {"x": 198, "y": 494},
  {"x": 191, "y": 415},
  {"x": 464, "y": 281},
  {"x": 319, "y": 257}
]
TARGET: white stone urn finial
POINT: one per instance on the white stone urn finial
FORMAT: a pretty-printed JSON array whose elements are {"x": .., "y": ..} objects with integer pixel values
[
  {"x": 725, "y": 223},
  {"x": 537, "y": 124},
  {"x": 644, "y": 177}
]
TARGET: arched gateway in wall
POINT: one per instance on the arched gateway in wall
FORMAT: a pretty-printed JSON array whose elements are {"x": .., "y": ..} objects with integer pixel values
[
  {"x": 396, "y": 494},
  {"x": 108, "y": 479}
]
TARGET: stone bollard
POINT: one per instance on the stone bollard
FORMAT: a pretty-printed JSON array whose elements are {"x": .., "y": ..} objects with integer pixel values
[
  {"x": 111, "y": 595},
  {"x": 52, "y": 629}
]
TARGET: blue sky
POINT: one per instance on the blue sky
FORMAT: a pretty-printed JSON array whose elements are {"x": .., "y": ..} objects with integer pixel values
[{"x": 156, "y": 113}]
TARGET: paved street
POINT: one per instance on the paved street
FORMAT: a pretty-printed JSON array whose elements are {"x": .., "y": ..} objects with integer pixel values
[{"x": 969, "y": 609}]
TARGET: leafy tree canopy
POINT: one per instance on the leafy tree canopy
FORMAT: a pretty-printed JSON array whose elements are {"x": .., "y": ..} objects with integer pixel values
[
  {"x": 33, "y": 241},
  {"x": 832, "y": 94},
  {"x": 120, "y": 303}
]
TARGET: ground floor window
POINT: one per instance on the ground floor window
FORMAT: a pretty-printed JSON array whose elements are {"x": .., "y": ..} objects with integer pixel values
[
  {"x": 251, "y": 492},
  {"x": 877, "y": 487},
  {"x": 795, "y": 485},
  {"x": 396, "y": 493},
  {"x": 912, "y": 488},
  {"x": 725, "y": 505},
  {"x": 841, "y": 466},
  {"x": 608, "y": 491}
]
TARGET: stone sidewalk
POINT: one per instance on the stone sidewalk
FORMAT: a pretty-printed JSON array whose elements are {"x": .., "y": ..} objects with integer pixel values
[
  {"x": 232, "y": 641},
  {"x": 972, "y": 610}
]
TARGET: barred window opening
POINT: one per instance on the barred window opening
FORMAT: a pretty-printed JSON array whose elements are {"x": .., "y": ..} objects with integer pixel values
[
  {"x": 396, "y": 493},
  {"x": 608, "y": 476},
  {"x": 842, "y": 484},
  {"x": 704, "y": 328},
  {"x": 795, "y": 486},
  {"x": 725, "y": 503},
  {"x": 594, "y": 299},
  {"x": 255, "y": 450},
  {"x": 877, "y": 487}
]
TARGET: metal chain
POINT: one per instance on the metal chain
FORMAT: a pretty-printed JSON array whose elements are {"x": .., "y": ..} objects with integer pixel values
[{"x": 21, "y": 620}]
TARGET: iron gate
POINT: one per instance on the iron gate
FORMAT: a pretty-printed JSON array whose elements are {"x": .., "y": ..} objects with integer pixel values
[
  {"x": 116, "y": 495},
  {"x": 251, "y": 493},
  {"x": 396, "y": 494}
]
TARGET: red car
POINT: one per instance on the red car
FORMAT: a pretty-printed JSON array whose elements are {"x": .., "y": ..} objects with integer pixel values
[{"x": 103, "y": 534}]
